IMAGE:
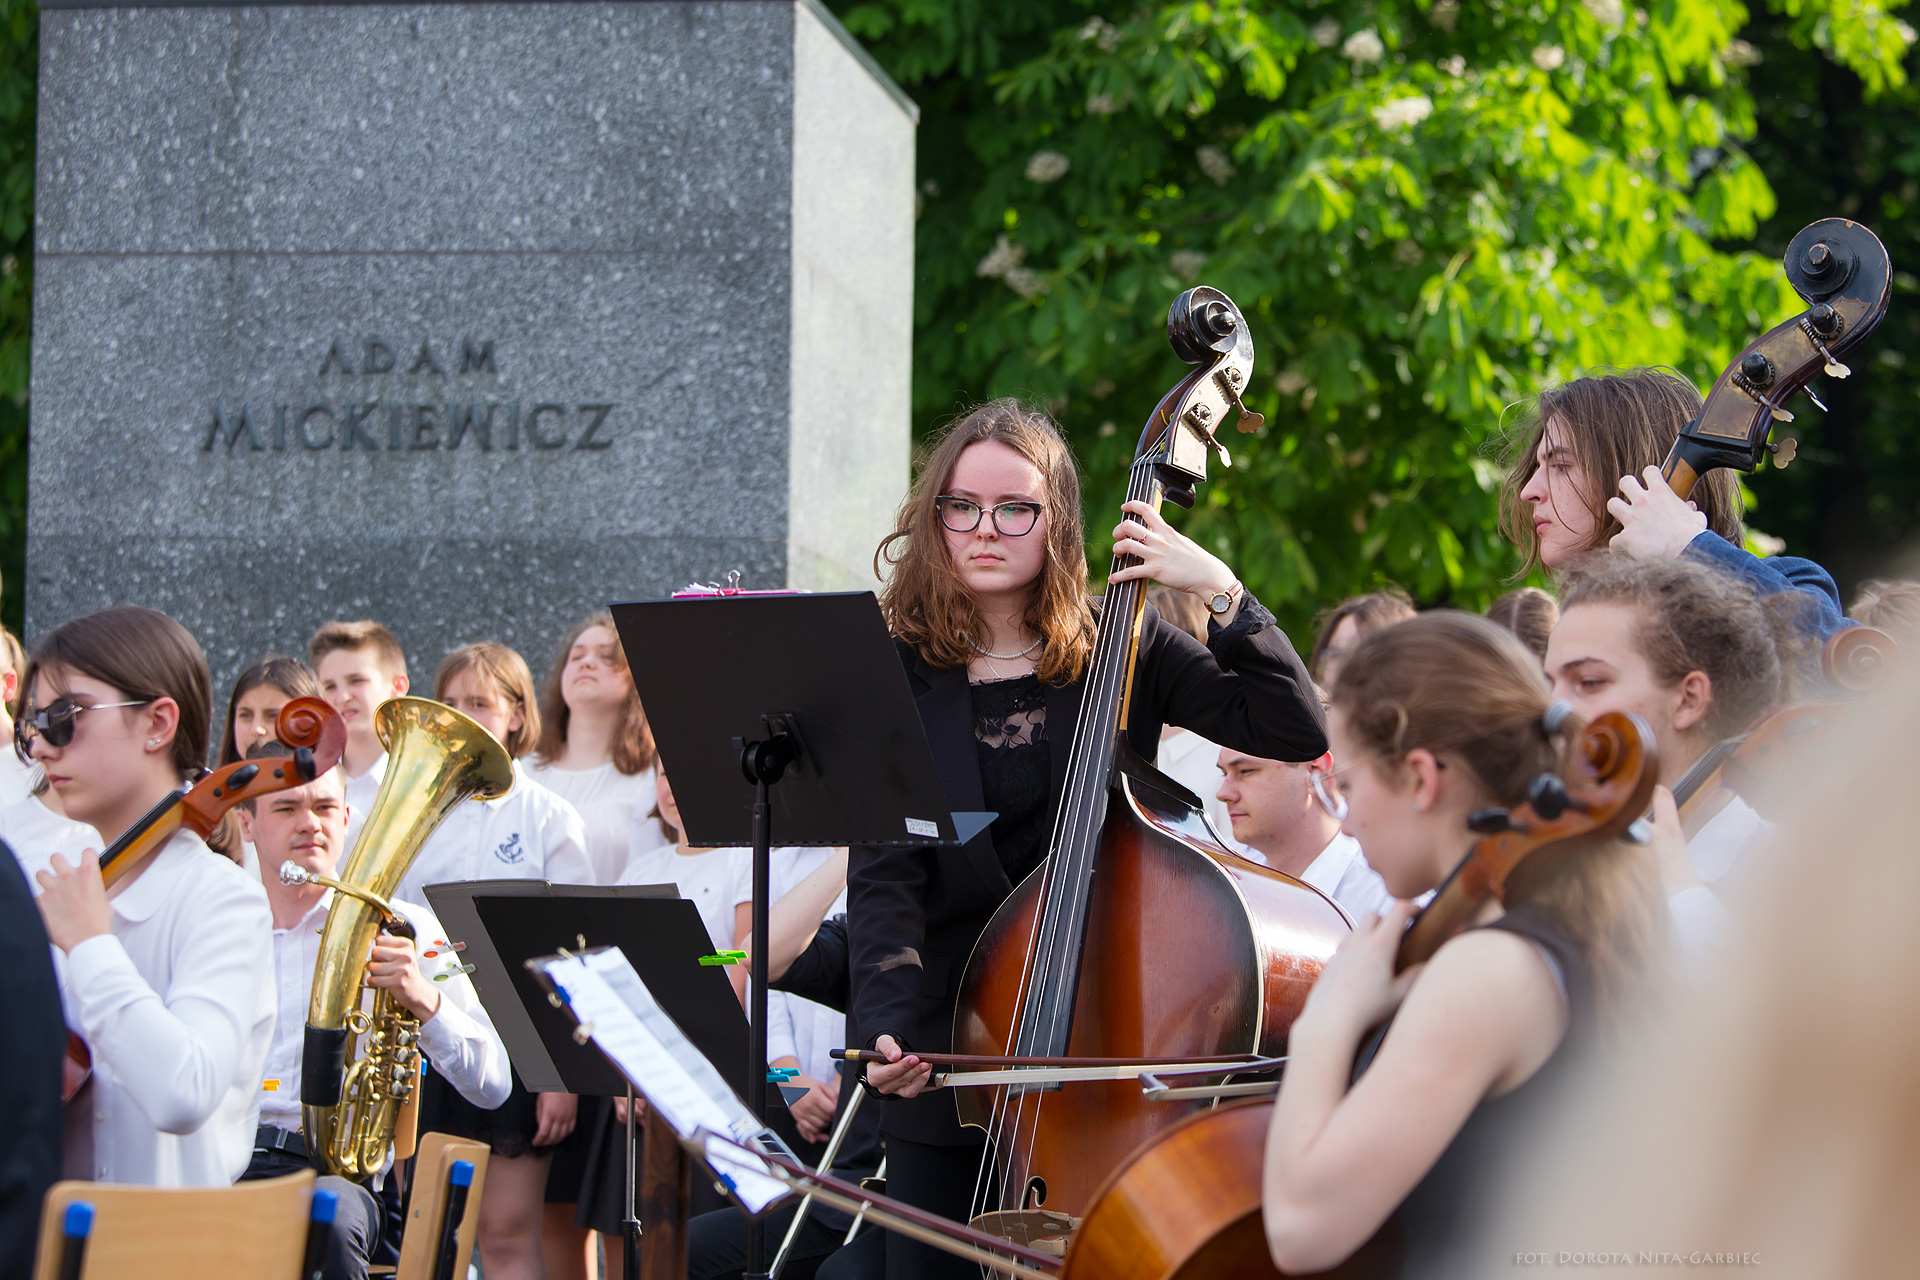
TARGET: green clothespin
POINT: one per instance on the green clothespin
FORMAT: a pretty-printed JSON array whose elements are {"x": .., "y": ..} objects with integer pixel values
[{"x": 724, "y": 957}]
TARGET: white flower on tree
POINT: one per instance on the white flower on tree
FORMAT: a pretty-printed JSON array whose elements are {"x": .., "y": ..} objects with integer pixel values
[
  {"x": 1364, "y": 47},
  {"x": 1548, "y": 57},
  {"x": 1025, "y": 281},
  {"x": 1186, "y": 263},
  {"x": 1403, "y": 113},
  {"x": 1326, "y": 32},
  {"x": 1608, "y": 13},
  {"x": 1214, "y": 163},
  {"x": 1047, "y": 166},
  {"x": 1005, "y": 257},
  {"x": 1102, "y": 104}
]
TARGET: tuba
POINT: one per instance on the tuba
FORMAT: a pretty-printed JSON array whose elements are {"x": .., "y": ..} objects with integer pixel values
[{"x": 359, "y": 1066}]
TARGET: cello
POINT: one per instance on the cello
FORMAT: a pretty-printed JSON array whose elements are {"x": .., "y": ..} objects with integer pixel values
[
  {"x": 1188, "y": 1205},
  {"x": 1142, "y": 938}
]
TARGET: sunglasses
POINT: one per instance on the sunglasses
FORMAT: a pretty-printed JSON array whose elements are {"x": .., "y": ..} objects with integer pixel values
[{"x": 56, "y": 724}]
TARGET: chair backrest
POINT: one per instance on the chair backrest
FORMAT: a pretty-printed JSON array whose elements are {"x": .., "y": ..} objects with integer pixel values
[
  {"x": 427, "y": 1201},
  {"x": 253, "y": 1229}
]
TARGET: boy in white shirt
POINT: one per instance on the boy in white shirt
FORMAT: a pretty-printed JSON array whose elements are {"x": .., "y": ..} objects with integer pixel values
[
  {"x": 307, "y": 826},
  {"x": 359, "y": 665},
  {"x": 1276, "y": 812}
]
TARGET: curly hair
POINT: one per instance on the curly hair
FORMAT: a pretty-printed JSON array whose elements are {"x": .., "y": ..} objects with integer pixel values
[{"x": 1694, "y": 618}]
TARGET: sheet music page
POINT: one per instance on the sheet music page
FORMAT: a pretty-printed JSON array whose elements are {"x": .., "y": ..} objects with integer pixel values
[{"x": 628, "y": 1025}]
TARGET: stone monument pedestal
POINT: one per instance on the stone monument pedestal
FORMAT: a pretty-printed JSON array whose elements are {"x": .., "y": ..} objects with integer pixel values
[{"x": 465, "y": 317}]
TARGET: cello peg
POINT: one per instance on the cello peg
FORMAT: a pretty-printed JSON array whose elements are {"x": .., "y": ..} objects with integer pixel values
[{"x": 1489, "y": 822}]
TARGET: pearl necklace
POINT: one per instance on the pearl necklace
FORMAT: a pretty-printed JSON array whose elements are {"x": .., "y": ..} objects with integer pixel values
[{"x": 1005, "y": 657}]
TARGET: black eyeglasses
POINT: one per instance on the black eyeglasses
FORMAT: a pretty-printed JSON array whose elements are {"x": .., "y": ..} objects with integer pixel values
[
  {"x": 1012, "y": 519},
  {"x": 56, "y": 725}
]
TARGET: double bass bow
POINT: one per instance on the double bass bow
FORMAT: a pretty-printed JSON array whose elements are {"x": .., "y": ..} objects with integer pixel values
[
  {"x": 1141, "y": 938},
  {"x": 317, "y": 735},
  {"x": 1843, "y": 271},
  {"x": 1188, "y": 1205}
]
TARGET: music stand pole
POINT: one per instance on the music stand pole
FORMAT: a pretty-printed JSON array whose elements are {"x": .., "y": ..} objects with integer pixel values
[{"x": 764, "y": 763}]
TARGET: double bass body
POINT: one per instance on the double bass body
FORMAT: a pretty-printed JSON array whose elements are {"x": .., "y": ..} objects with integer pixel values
[{"x": 1191, "y": 951}]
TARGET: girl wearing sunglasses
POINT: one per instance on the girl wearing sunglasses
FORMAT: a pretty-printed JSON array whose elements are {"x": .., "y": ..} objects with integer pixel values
[
  {"x": 988, "y": 605},
  {"x": 168, "y": 976}
]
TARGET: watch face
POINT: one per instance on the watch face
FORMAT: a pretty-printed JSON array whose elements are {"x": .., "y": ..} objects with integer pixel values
[{"x": 1220, "y": 602}]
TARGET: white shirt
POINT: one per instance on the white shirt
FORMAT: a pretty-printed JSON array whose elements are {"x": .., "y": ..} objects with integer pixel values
[
  {"x": 17, "y": 778},
  {"x": 527, "y": 834},
  {"x": 360, "y": 795},
  {"x": 1727, "y": 836},
  {"x": 459, "y": 1039},
  {"x": 177, "y": 1005},
  {"x": 607, "y": 800},
  {"x": 1342, "y": 873},
  {"x": 797, "y": 1028},
  {"x": 1194, "y": 763},
  {"x": 37, "y": 833},
  {"x": 711, "y": 880}
]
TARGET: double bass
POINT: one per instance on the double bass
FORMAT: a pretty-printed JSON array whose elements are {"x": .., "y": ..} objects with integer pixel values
[{"x": 1143, "y": 938}]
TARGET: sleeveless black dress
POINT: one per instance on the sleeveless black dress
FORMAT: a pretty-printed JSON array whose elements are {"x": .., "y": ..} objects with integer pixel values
[{"x": 1442, "y": 1215}]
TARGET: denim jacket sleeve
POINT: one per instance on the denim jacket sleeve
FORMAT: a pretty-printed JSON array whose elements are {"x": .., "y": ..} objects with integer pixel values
[{"x": 1820, "y": 615}]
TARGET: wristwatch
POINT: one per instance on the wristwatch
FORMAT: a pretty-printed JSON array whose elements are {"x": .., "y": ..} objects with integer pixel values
[{"x": 1220, "y": 601}]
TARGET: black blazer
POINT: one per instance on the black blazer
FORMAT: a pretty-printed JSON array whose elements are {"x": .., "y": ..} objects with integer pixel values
[{"x": 914, "y": 914}]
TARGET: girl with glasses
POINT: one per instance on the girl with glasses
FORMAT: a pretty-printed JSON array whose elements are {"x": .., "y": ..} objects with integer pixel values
[
  {"x": 986, "y": 597},
  {"x": 170, "y": 973},
  {"x": 1438, "y": 716}
]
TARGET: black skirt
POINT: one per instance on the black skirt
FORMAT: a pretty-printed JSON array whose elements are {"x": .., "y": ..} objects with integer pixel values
[{"x": 507, "y": 1129}]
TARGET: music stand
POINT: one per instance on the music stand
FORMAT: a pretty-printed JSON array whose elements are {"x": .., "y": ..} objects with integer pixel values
[
  {"x": 504, "y": 923},
  {"x": 788, "y": 713}
]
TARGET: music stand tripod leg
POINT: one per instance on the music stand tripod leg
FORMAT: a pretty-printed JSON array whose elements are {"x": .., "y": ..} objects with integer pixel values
[{"x": 764, "y": 763}]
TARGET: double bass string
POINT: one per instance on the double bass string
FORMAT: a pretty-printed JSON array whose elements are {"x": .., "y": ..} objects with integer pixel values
[{"x": 1047, "y": 973}]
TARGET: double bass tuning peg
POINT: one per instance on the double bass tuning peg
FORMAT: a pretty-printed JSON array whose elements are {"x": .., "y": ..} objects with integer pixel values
[{"x": 1250, "y": 421}]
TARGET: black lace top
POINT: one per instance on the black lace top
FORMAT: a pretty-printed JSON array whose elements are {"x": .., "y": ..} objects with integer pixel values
[{"x": 1016, "y": 772}]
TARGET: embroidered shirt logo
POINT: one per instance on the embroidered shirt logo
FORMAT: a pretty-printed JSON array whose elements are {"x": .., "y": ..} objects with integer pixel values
[{"x": 511, "y": 852}]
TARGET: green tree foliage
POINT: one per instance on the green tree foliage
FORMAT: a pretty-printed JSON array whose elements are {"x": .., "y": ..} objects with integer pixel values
[
  {"x": 1841, "y": 140},
  {"x": 19, "y": 59},
  {"x": 1429, "y": 210}
]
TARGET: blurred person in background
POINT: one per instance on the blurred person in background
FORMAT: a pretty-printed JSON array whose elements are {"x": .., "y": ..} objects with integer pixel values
[
  {"x": 1348, "y": 623},
  {"x": 1529, "y": 613},
  {"x": 1892, "y": 607}
]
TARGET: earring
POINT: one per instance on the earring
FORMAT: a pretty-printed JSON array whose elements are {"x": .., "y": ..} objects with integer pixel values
[{"x": 153, "y": 742}]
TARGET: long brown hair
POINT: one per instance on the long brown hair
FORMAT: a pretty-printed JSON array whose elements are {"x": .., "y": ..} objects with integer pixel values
[
  {"x": 507, "y": 672},
  {"x": 1466, "y": 689},
  {"x": 924, "y": 600},
  {"x": 1529, "y": 613},
  {"x": 147, "y": 656},
  {"x": 633, "y": 745},
  {"x": 289, "y": 675},
  {"x": 1617, "y": 424}
]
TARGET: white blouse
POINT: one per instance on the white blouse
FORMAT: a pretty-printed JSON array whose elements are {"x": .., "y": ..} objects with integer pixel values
[
  {"x": 607, "y": 800},
  {"x": 177, "y": 1005}
]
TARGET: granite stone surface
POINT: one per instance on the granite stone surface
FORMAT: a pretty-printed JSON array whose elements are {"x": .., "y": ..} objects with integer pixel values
[{"x": 468, "y": 317}]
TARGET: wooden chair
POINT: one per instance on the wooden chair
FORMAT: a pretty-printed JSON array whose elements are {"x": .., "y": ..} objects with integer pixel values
[
  {"x": 252, "y": 1229},
  {"x": 427, "y": 1202}
]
